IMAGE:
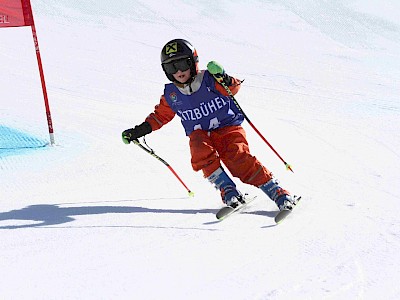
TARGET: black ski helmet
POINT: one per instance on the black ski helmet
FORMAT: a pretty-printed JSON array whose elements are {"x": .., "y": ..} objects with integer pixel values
[{"x": 179, "y": 48}]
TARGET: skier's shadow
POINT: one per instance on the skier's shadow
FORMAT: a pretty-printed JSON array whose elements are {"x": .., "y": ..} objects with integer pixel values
[{"x": 52, "y": 214}]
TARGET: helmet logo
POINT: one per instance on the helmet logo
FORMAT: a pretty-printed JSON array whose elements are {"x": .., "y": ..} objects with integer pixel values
[{"x": 171, "y": 48}]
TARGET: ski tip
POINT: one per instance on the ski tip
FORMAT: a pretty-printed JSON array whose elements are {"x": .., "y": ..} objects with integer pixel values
[
  {"x": 224, "y": 212},
  {"x": 282, "y": 215}
]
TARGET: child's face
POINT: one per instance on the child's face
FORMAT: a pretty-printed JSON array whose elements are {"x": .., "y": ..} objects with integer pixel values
[{"x": 182, "y": 76}]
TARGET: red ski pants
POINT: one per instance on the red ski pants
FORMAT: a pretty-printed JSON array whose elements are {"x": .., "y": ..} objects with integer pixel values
[{"x": 229, "y": 145}]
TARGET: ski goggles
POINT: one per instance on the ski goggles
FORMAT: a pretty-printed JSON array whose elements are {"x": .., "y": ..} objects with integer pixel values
[{"x": 180, "y": 64}]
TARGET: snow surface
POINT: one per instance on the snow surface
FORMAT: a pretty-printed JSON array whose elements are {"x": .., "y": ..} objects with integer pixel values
[{"x": 93, "y": 218}]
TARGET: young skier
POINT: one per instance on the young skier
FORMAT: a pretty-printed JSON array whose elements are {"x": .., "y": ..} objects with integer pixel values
[{"x": 212, "y": 122}]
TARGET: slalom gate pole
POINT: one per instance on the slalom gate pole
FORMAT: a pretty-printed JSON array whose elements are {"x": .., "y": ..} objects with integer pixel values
[
  {"x": 17, "y": 13},
  {"x": 152, "y": 153},
  {"x": 42, "y": 80},
  {"x": 221, "y": 82}
]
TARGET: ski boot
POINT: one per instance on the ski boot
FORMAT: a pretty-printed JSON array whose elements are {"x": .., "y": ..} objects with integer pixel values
[
  {"x": 229, "y": 194},
  {"x": 281, "y": 197}
]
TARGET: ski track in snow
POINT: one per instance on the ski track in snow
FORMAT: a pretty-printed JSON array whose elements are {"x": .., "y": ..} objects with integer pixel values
[{"x": 92, "y": 218}]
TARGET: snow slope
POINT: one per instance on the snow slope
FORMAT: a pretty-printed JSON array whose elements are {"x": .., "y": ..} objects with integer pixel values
[{"x": 93, "y": 218}]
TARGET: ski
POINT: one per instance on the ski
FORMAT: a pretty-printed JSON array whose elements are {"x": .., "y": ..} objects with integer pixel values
[
  {"x": 226, "y": 211},
  {"x": 284, "y": 213}
]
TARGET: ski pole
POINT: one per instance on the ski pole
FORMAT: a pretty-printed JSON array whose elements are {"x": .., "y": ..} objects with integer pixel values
[
  {"x": 152, "y": 153},
  {"x": 221, "y": 82}
]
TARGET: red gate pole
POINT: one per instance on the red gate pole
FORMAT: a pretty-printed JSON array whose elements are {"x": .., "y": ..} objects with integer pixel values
[{"x": 27, "y": 7}]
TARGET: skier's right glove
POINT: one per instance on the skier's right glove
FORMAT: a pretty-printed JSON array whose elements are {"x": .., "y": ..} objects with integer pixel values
[{"x": 132, "y": 134}]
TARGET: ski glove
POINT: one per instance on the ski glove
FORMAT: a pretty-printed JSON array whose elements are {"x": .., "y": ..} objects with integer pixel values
[
  {"x": 217, "y": 70},
  {"x": 132, "y": 134}
]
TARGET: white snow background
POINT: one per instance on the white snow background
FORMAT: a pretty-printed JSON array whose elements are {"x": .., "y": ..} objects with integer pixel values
[{"x": 93, "y": 218}]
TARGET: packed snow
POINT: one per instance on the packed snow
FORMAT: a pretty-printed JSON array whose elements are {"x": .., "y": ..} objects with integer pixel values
[{"x": 93, "y": 218}]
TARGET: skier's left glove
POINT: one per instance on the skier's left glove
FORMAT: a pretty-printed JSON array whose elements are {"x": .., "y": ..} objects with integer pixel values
[
  {"x": 217, "y": 70},
  {"x": 132, "y": 134}
]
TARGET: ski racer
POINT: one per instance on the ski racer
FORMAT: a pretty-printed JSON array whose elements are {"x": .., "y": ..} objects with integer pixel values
[{"x": 212, "y": 122}]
